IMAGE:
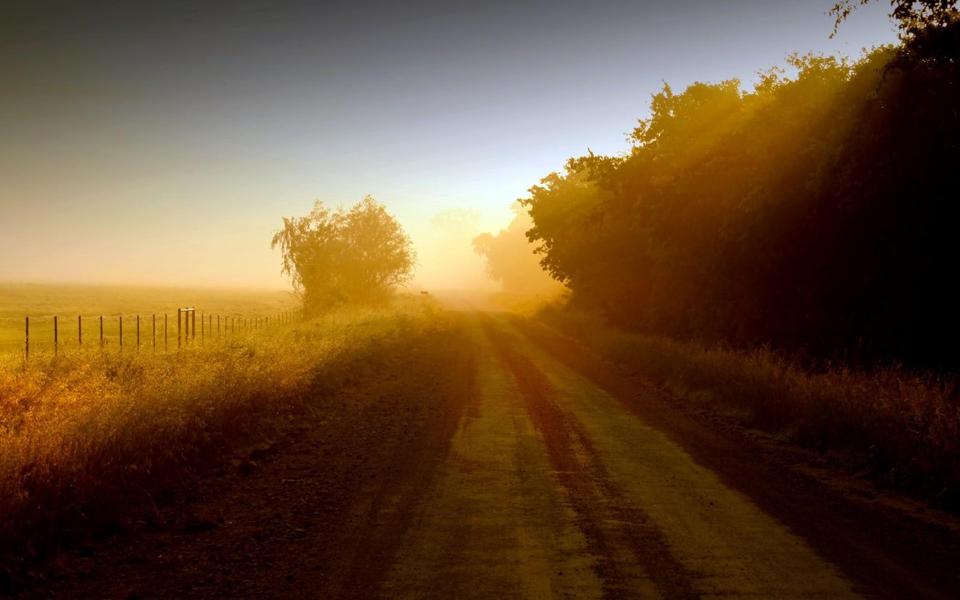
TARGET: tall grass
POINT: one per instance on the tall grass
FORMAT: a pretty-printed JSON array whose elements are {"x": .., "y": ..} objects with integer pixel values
[
  {"x": 87, "y": 436},
  {"x": 898, "y": 426}
]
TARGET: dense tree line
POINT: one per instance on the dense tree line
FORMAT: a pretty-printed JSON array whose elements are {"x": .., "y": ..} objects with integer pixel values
[{"x": 816, "y": 213}]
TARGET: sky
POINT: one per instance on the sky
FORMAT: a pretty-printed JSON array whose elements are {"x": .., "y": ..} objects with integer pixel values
[{"x": 162, "y": 143}]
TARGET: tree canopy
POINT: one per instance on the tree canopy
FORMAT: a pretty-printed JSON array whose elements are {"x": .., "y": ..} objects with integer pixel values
[
  {"x": 912, "y": 16},
  {"x": 358, "y": 255},
  {"x": 816, "y": 212}
]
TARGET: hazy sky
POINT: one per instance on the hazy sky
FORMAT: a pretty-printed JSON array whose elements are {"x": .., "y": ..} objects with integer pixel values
[{"x": 161, "y": 142}]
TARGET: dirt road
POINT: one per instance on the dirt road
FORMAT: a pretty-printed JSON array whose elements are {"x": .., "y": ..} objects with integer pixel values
[
  {"x": 551, "y": 488},
  {"x": 549, "y": 475}
]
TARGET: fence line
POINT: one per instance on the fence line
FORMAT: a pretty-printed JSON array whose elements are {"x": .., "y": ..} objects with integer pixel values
[{"x": 226, "y": 326}]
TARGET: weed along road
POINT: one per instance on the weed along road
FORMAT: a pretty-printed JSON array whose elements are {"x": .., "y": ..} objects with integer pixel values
[{"x": 536, "y": 471}]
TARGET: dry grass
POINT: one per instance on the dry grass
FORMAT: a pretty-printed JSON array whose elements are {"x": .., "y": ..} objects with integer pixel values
[
  {"x": 41, "y": 301},
  {"x": 89, "y": 436},
  {"x": 900, "y": 427}
]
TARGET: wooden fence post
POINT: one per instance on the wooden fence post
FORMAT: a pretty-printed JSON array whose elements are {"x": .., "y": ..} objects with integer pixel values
[
  {"x": 101, "y": 331},
  {"x": 178, "y": 327},
  {"x": 153, "y": 321},
  {"x": 79, "y": 331},
  {"x": 26, "y": 343},
  {"x": 165, "y": 330},
  {"x": 121, "y": 332},
  {"x": 138, "y": 333},
  {"x": 56, "y": 335}
]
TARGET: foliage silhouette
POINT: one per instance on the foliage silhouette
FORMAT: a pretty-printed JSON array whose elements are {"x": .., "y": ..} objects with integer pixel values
[
  {"x": 357, "y": 256},
  {"x": 815, "y": 213}
]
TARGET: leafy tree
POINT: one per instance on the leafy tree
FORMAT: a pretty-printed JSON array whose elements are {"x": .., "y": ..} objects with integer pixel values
[
  {"x": 355, "y": 256},
  {"x": 815, "y": 213},
  {"x": 511, "y": 260},
  {"x": 912, "y": 16}
]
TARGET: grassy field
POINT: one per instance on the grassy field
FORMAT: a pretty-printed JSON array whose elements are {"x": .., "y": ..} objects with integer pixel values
[
  {"x": 88, "y": 436},
  {"x": 42, "y": 301},
  {"x": 899, "y": 427}
]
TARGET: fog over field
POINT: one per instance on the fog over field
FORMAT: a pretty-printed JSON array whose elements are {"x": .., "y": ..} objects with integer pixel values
[{"x": 161, "y": 143}]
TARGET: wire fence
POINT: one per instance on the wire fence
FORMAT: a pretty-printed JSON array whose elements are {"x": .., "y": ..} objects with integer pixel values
[{"x": 154, "y": 332}]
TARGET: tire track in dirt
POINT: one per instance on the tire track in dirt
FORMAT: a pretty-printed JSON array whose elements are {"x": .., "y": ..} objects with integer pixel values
[
  {"x": 618, "y": 532},
  {"x": 495, "y": 523}
]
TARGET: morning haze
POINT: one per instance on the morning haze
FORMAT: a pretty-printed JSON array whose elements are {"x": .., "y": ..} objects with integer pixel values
[
  {"x": 162, "y": 143},
  {"x": 592, "y": 300}
]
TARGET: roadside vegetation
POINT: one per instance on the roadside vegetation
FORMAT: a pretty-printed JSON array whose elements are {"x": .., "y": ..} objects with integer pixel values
[
  {"x": 897, "y": 427},
  {"x": 93, "y": 440},
  {"x": 90, "y": 438}
]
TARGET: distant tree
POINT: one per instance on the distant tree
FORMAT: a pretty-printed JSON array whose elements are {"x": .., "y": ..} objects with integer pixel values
[
  {"x": 511, "y": 258},
  {"x": 356, "y": 256}
]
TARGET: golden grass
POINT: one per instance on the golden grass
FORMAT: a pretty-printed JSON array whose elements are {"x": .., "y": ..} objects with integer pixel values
[
  {"x": 41, "y": 301},
  {"x": 90, "y": 434},
  {"x": 899, "y": 426}
]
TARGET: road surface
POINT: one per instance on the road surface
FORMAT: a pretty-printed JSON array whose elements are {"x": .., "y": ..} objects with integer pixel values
[
  {"x": 547, "y": 475},
  {"x": 551, "y": 489}
]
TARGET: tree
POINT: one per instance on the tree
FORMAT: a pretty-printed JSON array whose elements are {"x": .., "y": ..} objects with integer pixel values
[
  {"x": 814, "y": 214},
  {"x": 357, "y": 256},
  {"x": 912, "y": 16},
  {"x": 511, "y": 258}
]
